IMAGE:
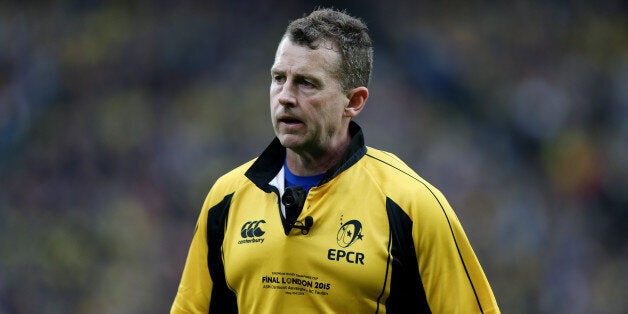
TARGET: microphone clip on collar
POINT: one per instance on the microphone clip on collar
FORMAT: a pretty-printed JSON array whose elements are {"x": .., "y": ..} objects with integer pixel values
[{"x": 304, "y": 226}]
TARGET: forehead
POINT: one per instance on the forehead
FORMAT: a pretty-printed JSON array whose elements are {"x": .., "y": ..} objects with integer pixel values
[{"x": 304, "y": 60}]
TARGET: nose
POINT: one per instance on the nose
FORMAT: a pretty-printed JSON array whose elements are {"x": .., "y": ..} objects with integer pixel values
[{"x": 286, "y": 95}]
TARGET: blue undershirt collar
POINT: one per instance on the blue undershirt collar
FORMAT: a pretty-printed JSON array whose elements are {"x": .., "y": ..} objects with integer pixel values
[{"x": 306, "y": 182}]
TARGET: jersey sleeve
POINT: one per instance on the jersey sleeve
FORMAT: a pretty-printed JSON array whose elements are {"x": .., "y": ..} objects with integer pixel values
[
  {"x": 452, "y": 276},
  {"x": 194, "y": 292}
]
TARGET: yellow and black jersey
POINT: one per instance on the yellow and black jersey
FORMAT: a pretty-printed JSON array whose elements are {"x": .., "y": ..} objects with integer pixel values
[{"x": 381, "y": 240}]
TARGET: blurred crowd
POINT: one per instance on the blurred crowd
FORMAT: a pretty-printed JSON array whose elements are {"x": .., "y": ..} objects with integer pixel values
[{"x": 116, "y": 117}]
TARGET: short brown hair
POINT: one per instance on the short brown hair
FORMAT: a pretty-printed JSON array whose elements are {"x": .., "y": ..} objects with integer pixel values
[{"x": 348, "y": 34}]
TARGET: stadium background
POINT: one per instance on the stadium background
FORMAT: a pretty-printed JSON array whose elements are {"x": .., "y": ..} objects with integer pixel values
[{"x": 116, "y": 117}]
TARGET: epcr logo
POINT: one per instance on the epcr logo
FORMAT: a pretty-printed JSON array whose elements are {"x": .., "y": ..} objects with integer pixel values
[
  {"x": 348, "y": 233},
  {"x": 252, "y": 229}
]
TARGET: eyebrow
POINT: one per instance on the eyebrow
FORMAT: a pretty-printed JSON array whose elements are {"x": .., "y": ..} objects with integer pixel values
[
  {"x": 274, "y": 70},
  {"x": 298, "y": 76}
]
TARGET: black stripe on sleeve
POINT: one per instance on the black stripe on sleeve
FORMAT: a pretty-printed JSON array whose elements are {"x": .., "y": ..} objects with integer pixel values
[
  {"x": 464, "y": 265},
  {"x": 223, "y": 300},
  {"x": 406, "y": 287}
]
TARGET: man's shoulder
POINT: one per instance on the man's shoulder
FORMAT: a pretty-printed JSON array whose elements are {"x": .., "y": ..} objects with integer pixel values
[
  {"x": 230, "y": 180},
  {"x": 227, "y": 184},
  {"x": 237, "y": 172},
  {"x": 388, "y": 168},
  {"x": 400, "y": 181},
  {"x": 387, "y": 160}
]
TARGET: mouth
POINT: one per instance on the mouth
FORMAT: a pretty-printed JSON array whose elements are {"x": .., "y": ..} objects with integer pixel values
[{"x": 289, "y": 120}]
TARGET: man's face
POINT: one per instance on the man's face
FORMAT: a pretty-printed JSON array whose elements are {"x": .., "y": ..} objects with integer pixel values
[{"x": 306, "y": 99}]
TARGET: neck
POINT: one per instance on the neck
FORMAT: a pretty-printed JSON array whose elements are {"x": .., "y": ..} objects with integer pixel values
[{"x": 308, "y": 163}]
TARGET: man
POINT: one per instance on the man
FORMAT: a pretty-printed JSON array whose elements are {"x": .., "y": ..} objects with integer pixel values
[{"x": 319, "y": 222}]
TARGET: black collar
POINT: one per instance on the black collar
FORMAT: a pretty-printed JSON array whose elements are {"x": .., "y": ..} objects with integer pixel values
[{"x": 268, "y": 164}]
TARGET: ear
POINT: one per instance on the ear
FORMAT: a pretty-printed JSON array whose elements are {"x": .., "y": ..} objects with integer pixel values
[{"x": 357, "y": 100}]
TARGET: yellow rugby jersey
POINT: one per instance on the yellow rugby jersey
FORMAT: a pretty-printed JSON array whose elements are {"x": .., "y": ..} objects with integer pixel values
[{"x": 382, "y": 240}]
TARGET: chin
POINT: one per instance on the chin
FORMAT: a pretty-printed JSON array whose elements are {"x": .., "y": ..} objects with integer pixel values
[
  {"x": 288, "y": 144},
  {"x": 289, "y": 141}
]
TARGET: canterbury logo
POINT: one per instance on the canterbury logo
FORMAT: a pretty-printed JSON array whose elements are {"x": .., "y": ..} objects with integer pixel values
[{"x": 252, "y": 229}]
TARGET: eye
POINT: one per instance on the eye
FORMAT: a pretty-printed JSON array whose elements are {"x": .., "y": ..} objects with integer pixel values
[
  {"x": 306, "y": 83},
  {"x": 278, "y": 78}
]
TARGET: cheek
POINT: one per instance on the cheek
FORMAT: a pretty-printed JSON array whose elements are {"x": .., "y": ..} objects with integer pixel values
[
  {"x": 273, "y": 102},
  {"x": 326, "y": 120},
  {"x": 333, "y": 111},
  {"x": 273, "y": 92},
  {"x": 271, "y": 96}
]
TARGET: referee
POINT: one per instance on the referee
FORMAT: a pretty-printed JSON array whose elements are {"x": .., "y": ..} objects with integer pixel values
[{"x": 319, "y": 222}]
